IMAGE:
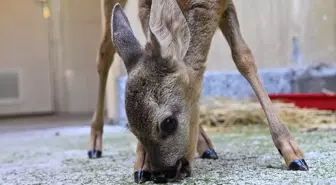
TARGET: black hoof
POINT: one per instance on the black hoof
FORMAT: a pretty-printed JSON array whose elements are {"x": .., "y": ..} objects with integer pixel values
[
  {"x": 209, "y": 154},
  {"x": 93, "y": 154},
  {"x": 298, "y": 165},
  {"x": 142, "y": 176}
]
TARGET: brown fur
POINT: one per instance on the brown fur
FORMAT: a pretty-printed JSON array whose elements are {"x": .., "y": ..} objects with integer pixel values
[{"x": 165, "y": 77}]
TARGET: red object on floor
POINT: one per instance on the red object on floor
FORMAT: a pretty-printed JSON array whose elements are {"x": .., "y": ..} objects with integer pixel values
[{"x": 308, "y": 100}]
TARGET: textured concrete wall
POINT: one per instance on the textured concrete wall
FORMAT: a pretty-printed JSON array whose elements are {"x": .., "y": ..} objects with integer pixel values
[
  {"x": 314, "y": 26},
  {"x": 315, "y": 80},
  {"x": 315, "y": 84}
]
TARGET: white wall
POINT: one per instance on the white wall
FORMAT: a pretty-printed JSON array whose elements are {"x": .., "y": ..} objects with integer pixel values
[
  {"x": 268, "y": 28},
  {"x": 75, "y": 35},
  {"x": 24, "y": 52}
]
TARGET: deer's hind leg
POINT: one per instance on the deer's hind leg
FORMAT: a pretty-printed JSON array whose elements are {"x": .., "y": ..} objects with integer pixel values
[
  {"x": 242, "y": 56},
  {"x": 205, "y": 148},
  {"x": 104, "y": 61}
]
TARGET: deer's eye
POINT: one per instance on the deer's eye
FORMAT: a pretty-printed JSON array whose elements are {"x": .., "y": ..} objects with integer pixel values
[{"x": 169, "y": 126}]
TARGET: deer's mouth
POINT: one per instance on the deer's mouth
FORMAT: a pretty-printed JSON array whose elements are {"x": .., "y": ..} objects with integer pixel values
[
  {"x": 185, "y": 170},
  {"x": 180, "y": 171}
]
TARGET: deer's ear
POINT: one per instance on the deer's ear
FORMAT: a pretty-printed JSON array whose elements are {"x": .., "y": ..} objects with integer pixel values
[
  {"x": 170, "y": 27},
  {"x": 126, "y": 44}
]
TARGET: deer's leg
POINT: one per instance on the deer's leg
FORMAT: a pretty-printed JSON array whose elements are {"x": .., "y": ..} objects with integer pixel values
[
  {"x": 144, "y": 7},
  {"x": 205, "y": 148},
  {"x": 241, "y": 54},
  {"x": 104, "y": 61},
  {"x": 141, "y": 166}
]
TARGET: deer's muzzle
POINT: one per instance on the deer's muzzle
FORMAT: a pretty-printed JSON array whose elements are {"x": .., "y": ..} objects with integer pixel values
[{"x": 179, "y": 171}]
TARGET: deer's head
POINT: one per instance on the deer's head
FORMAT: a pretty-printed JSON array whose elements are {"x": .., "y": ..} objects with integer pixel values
[{"x": 158, "y": 101}]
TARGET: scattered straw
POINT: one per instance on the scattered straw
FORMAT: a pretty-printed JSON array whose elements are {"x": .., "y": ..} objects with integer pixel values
[{"x": 221, "y": 112}]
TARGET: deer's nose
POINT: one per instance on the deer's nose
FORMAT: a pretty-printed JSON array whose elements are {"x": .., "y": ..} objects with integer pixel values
[
  {"x": 167, "y": 174},
  {"x": 164, "y": 176}
]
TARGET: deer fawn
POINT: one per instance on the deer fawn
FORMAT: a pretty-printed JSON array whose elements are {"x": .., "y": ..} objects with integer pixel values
[{"x": 165, "y": 81}]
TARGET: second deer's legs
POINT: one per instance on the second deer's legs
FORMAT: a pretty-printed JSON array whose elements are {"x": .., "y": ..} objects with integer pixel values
[
  {"x": 104, "y": 61},
  {"x": 244, "y": 61}
]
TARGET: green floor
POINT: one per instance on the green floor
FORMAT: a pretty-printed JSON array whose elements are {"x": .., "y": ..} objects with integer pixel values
[{"x": 36, "y": 157}]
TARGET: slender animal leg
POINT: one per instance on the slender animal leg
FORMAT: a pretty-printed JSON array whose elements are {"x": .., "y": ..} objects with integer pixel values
[
  {"x": 241, "y": 54},
  {"x": 104, "y": 61},
  {"x": 144, "y": 7},
  {"x": 205, "y": 147},
  {"x": 141, "y": 166}
]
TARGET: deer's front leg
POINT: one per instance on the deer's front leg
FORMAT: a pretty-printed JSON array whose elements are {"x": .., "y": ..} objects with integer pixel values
[
  {"x": 244, "y": 61},
  {"x": 104, "y": 62},
  {"x": 205, "y": 148},
  {"x": 141, "y": 166}
]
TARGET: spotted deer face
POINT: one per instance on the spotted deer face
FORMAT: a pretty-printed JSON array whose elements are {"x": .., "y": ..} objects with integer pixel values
[{"x": 157, "y": 90}]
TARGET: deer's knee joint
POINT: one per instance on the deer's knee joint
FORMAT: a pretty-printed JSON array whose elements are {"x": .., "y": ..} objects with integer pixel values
[
  {"x": 104, "y": 61},
  {"x": 244, "y": 61},
  {"x": 97, "y": 127}
]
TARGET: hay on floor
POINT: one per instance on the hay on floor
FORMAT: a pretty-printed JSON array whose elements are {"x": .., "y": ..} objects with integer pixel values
[{"x": 222, "y": 112}]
